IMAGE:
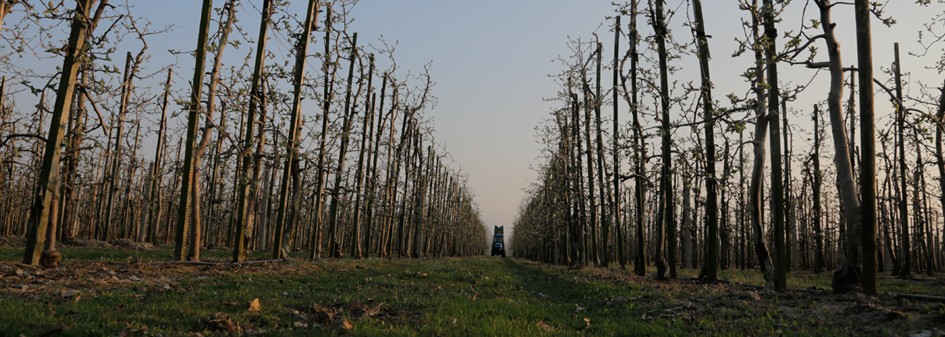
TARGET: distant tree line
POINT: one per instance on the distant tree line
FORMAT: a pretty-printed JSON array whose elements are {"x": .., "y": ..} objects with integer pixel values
[
  {"x": 248, "y": 171},
  {"x": 696, "y": 192}
]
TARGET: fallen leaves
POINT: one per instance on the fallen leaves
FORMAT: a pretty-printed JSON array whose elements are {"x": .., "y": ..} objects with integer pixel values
[
  {"x": 323, "y": 314},
  {"x": 343, "y": 324},
  {"x": 254, "y": 305},
  {"x": 749, "y": 296},
  {"x": 360, "y": 310},
  {"x": 567, "y": 302},
  {"x": 220, "y": 322},
  {"x": 326, "y": 315},
  {"x": 75, "y": 295}
]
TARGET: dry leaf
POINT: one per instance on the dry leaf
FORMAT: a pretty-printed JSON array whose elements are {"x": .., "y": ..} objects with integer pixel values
[
  {"x": 587, "y": 323},
  {"x": 222, "y": 322},
  {"x": 323, "y": 315},
  {"x": 544, "y": 326},
  {"x": 254, "y": 306},
  {"x": 344, "y": 324}
]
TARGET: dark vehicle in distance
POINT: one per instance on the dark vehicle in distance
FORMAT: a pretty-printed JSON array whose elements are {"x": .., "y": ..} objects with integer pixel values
[{"x": 498, "y": 241}]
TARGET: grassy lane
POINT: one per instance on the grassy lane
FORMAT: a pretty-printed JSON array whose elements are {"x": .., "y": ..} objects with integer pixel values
[{"x": 104, "y": 291}]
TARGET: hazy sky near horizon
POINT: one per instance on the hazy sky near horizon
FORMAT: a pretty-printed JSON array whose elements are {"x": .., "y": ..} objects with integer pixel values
[{"x": 491, "y": 62}]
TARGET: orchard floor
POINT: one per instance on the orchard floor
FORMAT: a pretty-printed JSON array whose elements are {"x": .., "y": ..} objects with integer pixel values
[{"x": 131, "y": 292}]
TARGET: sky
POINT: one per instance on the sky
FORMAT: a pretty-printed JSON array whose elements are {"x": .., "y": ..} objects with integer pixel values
[{"x": 491, "y": 61}]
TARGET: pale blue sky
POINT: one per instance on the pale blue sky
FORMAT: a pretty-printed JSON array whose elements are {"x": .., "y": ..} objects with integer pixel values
[{"x": 490, "y": 61}]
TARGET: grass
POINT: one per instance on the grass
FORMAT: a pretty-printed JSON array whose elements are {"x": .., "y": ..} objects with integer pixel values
[{"x": 108, "y": 291}]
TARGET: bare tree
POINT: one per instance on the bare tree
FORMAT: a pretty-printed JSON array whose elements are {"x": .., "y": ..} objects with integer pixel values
[
  {"x": 48, "y": 185},
  {"x": 291, "y": 165},
  {"x": 710, "y": 273},
  {"x": 249, "y": 170},
  {"x": 638, "y": 142},
  {"x": 666, "y": 188},
  {"x": 868, "y": 143},
  {"x": 184, "y": 208},
  {"x": 615, "y": 146},
  {"x": 334, "y": 246}
]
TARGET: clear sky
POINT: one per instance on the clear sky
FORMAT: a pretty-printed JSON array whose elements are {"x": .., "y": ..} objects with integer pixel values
[{"x": 491, "y": 60}]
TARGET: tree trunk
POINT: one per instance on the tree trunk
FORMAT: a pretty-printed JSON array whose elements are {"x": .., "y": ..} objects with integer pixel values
[
  {"x": 906, "y": 252},
  {"x": 152, "y": 218},
  {"x": 743, "y": 238},
  {"x": 112, "y": 177},
  {"x": 868, "y": 143},
  {"x": 293, "y": 143},
  {"x": 368, "y": 236},
  {"x": 390, "y": 185},
  {"x": 640, "y": 152},
  {"x": 687, "y": 229},
  {"x": 247, "y": 184},
  {"x": 593, "y": 215},
  {"x": 48, "y": 185},
  {"x": 195, "y": 230},
  {"x": 604, "y": 254},
  {"x": 755, "y": 189},
  {"x": 214, "y": 227},
  {"x": 4, "y": 8},
  {"x": 76, "y": 136},
  {"x": 848, "y": 274},
  {"x": 711, "y": 181},
  {"x": 788, "y": 192},
  {"x": 777, "y": 190},
  {"x": 925, "y": 235},
  {"x": 357, "y": 250},
  {"x": 333, "y": 244},
  {"x": 818, "y": 228},
  {"x": 666, "y": 188},
  {"x": 185, "y": 209},
  {"x": 724, "y": 226},
  {"x": 615, "y": 151},
  {"x": 327, "y": 95},
  {"x": 577, "y": 229},
  {"x": 939, "y": 156}
]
